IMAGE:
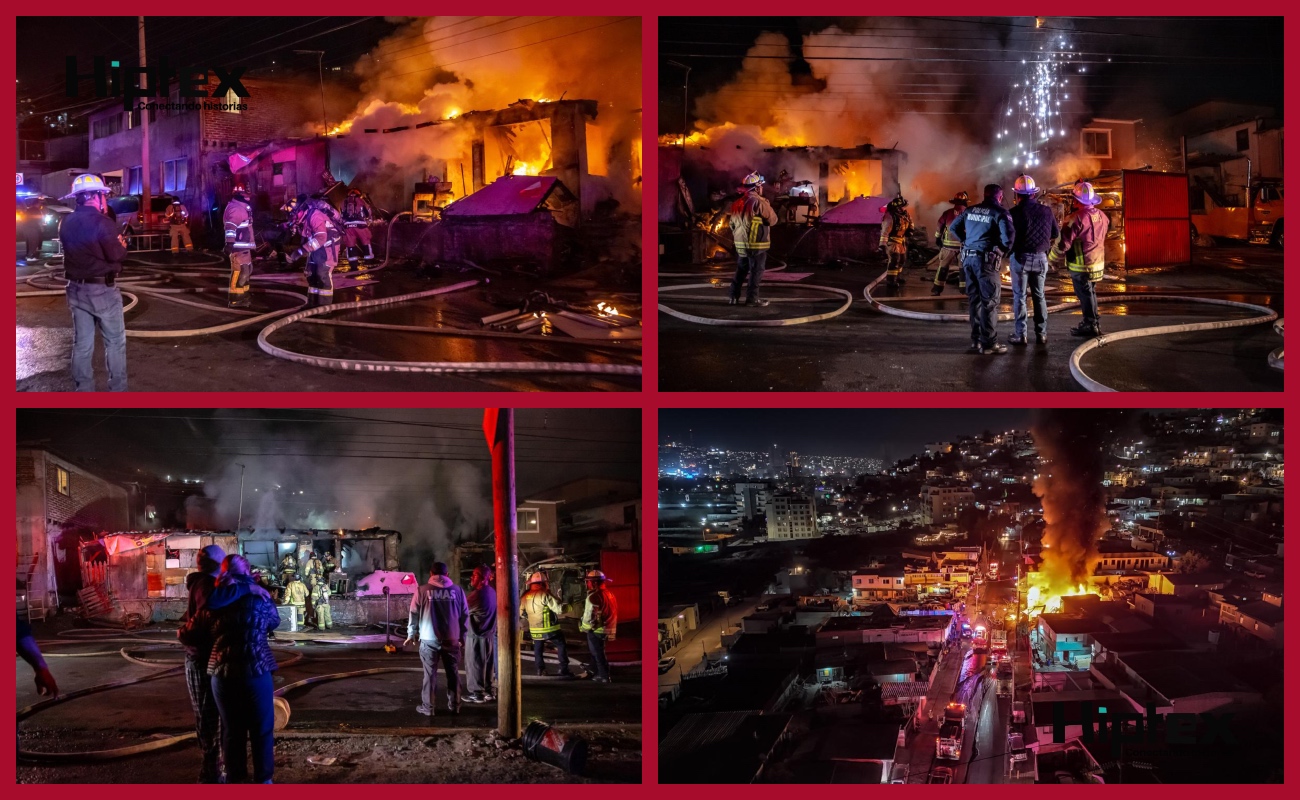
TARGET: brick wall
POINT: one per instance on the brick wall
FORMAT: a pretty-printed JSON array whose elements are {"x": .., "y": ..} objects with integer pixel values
[
  {"x": 275, "y": 110},
  {"x": 91, "y": 502}
]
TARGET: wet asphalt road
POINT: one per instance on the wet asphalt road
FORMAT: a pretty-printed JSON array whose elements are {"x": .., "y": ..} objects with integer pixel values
[{"x": 863, "y": 350}]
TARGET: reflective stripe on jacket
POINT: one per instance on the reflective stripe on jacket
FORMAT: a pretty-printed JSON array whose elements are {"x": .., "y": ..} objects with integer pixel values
[
  {"x": 945, "y": 225},
  {"x": 895, "y": 227},
  {"x": 542, "y": 610},
  {"x": 1083, "y": 242},
  {"x": 600, "y": 613},
  {"x": 238, "y": 221},
  {"x": 751, "y": 219}
]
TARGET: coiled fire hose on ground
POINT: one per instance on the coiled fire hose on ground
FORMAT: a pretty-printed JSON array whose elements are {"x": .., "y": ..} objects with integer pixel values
[
  {"x": 1263, "y": 315},
  {"x": 369, "y": 365},
  {"x": 758, "y": 323},
  {"x": 168, "y": 741}
]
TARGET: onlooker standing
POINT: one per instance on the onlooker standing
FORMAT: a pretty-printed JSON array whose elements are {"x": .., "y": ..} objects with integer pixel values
[
  {"x": 1035, "y": 229},
  {"x": 599, "y": 621},
  {"x": 234, "y": 623},
  {"x": 93, "y": 252},
  {"x": 481, "y": 652},
  {"x": 439, "y": 618},
  {"x": 207, "y": 720}
]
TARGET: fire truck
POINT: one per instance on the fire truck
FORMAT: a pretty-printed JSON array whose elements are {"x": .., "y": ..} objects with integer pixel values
[
  {"x": 1224, "y": 216},
  {"x": 998, "y": 645},
  {"x": 948, "y": 744},
  {"x": 980, "y": 642}
]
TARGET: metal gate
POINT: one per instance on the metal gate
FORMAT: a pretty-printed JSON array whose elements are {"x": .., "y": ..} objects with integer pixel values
[{"x": 1157, "y": 220}]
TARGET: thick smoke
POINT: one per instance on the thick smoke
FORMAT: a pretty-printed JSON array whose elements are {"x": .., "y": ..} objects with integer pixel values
[
  {"x": 333, "y": 485},
  {"x": 1072, "y": 445},
  {"x": 440, "y": 68},
  {"x": 944, "y": 115}
]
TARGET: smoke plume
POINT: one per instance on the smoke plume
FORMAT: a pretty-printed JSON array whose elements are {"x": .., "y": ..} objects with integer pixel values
[
  {"x": 1072, "y": 447},
  {"x": 943, "y": 115}
]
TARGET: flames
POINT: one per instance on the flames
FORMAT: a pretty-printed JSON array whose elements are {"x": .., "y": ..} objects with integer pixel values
[
  {"x": 1043, "y": 595},
  {"x": 524, "y": 168}
]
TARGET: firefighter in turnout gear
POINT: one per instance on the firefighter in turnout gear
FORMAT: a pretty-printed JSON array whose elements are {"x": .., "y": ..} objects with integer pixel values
[
  {"x": 296, "y": 594},
  {"x": 986, "y": 233},
  {"x": 320, "y": 606},
  {"x": 543, "y": 613},
  {"x": 178, "y": 225},
  {"x": 751, "y": 218},
  {"x": 288, "y": 567},
  {"x": 949, "y": 246},
  {"x": 238, "y": 220},
  {"x": 321, "y": 229},
  {"x": 357, "y": 216},
  {"x": 313, "y": 572},
  {"x": 895, "y": 225},
  {"x": 599, "y": 621},
  {"x": 1082, "y": 247}
]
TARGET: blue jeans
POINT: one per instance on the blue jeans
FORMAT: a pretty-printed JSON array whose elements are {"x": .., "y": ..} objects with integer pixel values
[
  {"x": 97, "y": 307},
  {"x": 749, "y": 266},
  {"x": 1029, "y": 277},
  {"x": 596, "y": 644},
  {"x": 561, "y": 649},
  {"x": 247, "y": 716},
  {"x": 1087, "y": 294},
  {"x": 984, "y": 292}
]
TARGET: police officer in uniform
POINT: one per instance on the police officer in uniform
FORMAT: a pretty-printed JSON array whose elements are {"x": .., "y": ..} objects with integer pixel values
[{"x": 986, "y": 233}]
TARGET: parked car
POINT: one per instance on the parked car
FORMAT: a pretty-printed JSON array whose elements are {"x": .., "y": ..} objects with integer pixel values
[
  {"x": 127, "y": 208},
  {"x": 666, "y": 664},
  {"x": 941, "y": 775},
  {"x": 51, "y": 211}
]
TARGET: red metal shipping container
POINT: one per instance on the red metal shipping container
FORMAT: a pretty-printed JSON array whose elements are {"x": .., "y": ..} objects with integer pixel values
[{"x": 1157, "y": 219}]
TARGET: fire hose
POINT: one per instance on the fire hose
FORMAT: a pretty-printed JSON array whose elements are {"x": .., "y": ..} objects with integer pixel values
[
  {"x": 758, "y": 323},
  {"x": 166, "y": 741},
  {"x": 368, "y": 365},
  {"x": 1264, "y": 314}
]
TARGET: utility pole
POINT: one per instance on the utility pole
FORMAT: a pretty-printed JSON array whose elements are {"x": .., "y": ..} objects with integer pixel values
[
  {"x": 686, "y": 94},
  {"x": 320, "y": 72},
  {"x": 240, "y": 519},
  {"x": 499, "y": 428},
  {"x": 146, "y": 179}
]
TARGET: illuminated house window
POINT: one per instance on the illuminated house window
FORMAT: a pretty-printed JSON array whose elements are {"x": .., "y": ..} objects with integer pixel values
[
  {"x": 232, "y": 100},
  {"x": 61, "y": 481},
  {"x": 527, "y": 521}
]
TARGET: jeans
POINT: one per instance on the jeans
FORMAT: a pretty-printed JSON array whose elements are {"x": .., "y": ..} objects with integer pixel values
[
  {"x": 751, "y": 266},
  {"x": 480, "y": 662},
  {"x": 984, "y": 292},
  {"x": 596, "y": 644},
  {"x": 207, "y": 719},
  {"x": 1087, "y": 294},
  {"x": 449, "y": 654},
  {"x": 1029, "y": 277},
  {"x": 247, "y": 716},
  {"x": 97, "y": 307},
  {"x": 561, "y": 647}
]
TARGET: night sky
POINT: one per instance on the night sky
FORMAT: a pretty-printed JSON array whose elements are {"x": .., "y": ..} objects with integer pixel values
[
  {"x": 43, "y": 44},
  {"x": 1137, "y": 67},
  {"x": 552, "y": 446},
  {"x": 888, "y": 434}
]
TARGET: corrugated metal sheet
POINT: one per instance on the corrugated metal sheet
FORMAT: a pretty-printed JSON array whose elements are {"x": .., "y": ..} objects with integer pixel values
[
  {"x": 1157, "y": 221},
  {"x": 506, "y": 196}
]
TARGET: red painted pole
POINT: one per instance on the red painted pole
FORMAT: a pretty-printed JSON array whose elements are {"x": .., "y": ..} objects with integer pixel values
[{"x": 499, "y": 427}]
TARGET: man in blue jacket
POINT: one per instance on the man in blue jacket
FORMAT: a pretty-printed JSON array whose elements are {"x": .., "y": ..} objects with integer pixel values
[
  {"x": 986, "y": 234},
  {"x": 481, "y": 648},
  {"x": 439, "y": 619}
]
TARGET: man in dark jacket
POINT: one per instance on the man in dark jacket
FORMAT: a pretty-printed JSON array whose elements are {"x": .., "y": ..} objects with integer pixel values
[
  {"x": 481, "y": 648},
  {"x": 1035, "y": 228},
  {"x": 986, "y": 235},
  {"x": 93, "y": 252},
  {"x": 207, "y": 720},
  {"x": 234, "y": 624},
  {"x": 439, "y": 618}
]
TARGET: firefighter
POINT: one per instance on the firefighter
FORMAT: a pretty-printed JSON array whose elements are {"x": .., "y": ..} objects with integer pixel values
[
  {"x": 321, "y": 229},
  {"x": 329, "y": 567},
  {"x": 357, "y": 216},
  {"x": 320, "y": 606},
  {"x": 986, "y": 234},
  {"x": 238, "y": 220},
  {"x": 1035, "y": 229},
  {"x": 32, "y": 229},
  {"x": 313, "y": 572},
  {"x": 296, "y": 595},
  {"x": 178, "y": 225},
  {"x": 949, "y": 246},
  {"x": 288, "y": 567},
  {"x": 751, "y": 218},
  {"x": 599, "y": 621},
  {"x": 543, "y": 612},
  {"x": 1082, "y": 247},
  {"x": 895, "y": 225}
]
